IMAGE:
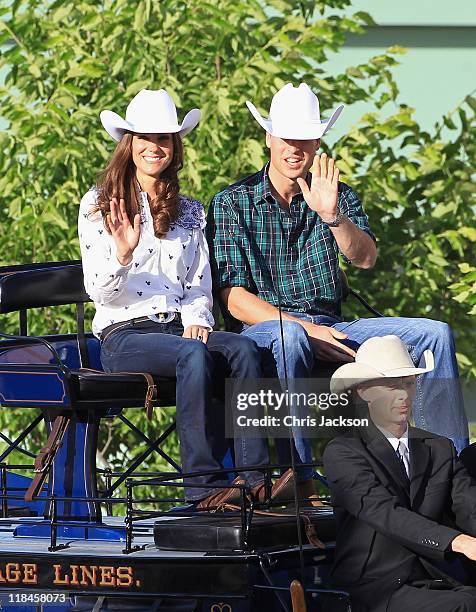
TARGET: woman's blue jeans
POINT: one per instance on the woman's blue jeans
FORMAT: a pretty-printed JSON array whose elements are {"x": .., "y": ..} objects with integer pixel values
[{"x": 158, "y": 348}]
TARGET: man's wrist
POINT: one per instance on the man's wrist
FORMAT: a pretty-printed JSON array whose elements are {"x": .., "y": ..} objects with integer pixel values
[{"x": 333, "y": 221}]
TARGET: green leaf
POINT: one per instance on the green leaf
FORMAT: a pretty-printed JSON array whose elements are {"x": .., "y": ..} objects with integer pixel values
[
  {"x": 443, "y": 209},
  {"x": 35, "y": 71},
  {"x": 471, "y": 101},
  {"x": 136, "y": 86},
  {"x": 468, "y": 232},
  {"x": 55, "y": 218}
]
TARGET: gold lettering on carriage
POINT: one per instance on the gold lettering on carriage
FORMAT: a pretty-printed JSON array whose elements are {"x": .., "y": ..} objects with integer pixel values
[
  {"x": 70, "y": 575},
  {"x": 94, "y": 575},
  {"x": 221, "y": 607},
  {"x": 18, "y": 573}
]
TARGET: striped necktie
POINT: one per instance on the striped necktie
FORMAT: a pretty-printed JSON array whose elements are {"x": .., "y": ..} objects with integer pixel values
[{"x": 401, "y": 450}]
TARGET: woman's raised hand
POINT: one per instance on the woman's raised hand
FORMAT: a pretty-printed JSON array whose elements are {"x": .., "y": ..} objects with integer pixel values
[{"x": 126, "y": 235}]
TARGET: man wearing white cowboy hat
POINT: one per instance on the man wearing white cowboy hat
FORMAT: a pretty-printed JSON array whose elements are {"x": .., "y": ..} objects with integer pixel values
[
  {"x": 395, "y": 488},
  {"x": 275, "y": 239}
]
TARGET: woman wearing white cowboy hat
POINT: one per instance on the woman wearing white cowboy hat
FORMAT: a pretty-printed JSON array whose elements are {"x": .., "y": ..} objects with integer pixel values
[{"x": 146, "y": 267}]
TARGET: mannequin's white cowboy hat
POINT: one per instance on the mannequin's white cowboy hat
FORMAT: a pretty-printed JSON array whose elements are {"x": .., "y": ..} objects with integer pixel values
[
  {"x": 294, "y": 114},
  {"x": 149, "y": 112},
  {"x": 379, "y": 357}
]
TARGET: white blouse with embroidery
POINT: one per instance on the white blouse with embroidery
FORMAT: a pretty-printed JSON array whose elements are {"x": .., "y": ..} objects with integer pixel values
[{"x": 171, "y": 274}]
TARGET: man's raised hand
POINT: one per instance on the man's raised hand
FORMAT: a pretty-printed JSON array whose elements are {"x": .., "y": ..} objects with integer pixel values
[
  {"x": 323, "y": 196},
  {"x": 126, "y": 235}
]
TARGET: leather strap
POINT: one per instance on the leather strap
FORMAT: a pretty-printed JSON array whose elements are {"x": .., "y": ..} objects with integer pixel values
[
  {"x": 46, "y": 455},
  {"x": 311, "y": 532},
  {"x": 151, "y": 394}
]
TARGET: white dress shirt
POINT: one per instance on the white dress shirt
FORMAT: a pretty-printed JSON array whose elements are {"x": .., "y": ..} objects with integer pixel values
[
  {"x": 170, "y": 274},
  {"x": 404, "y": 447}
]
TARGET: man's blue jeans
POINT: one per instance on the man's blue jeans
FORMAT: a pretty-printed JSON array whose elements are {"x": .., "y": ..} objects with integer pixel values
[
  {"x": 437, "y": 408},
  {"x": 158, "y": 348}
]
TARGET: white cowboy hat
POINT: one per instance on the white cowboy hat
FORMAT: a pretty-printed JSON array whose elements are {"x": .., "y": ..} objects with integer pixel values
[
  {"x": 294, "y": 114},
  {"x": 380, "y": 357},
  {"x": 149, "y": 112}
]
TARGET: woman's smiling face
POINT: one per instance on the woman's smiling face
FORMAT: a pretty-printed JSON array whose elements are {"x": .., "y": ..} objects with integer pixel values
[{"x": 152, "y": 153}]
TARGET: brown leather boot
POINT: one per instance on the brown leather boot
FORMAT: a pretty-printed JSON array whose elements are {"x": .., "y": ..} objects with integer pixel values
[
  {"x": 307, "y": 494},
  {"x": 216, "y": 501},
  {"x": 282, "y": 489}
]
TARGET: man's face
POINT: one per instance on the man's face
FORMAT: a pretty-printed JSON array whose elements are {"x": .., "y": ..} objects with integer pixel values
[
  {"x": 389, "y": 401},
  {"x": 291, "y": 159}
]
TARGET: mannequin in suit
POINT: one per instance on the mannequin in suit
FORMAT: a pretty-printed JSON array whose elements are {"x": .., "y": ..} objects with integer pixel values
[{"x": 403, "y": 501}]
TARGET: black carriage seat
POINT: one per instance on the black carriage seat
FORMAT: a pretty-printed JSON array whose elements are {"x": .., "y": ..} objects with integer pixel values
[
  {"x": 60, "y": 283},
  {"x": 62, "y": 373}
]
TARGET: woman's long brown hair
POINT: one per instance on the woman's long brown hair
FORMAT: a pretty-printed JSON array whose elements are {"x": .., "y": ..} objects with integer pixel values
[{"x": 118, "y": 180}]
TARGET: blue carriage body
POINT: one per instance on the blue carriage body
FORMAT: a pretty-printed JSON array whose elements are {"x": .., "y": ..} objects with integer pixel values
[{"x": 62, "y": 543}]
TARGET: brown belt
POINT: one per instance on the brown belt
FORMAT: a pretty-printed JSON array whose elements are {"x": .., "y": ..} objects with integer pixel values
[{"x": 107, "y": 331}]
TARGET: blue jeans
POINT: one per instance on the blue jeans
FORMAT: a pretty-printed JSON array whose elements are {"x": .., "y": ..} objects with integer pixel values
[
  {"x": 298, "y": 364},
  {"x": 158, "y": 348},
  {"x": 438, "y": 406}
]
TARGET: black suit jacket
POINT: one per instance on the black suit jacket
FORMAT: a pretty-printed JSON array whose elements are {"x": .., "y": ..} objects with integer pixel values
[{"x": 385, "y": 528}]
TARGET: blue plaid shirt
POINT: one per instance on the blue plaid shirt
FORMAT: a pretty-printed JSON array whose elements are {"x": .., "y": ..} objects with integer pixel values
[{"x": 257, "y": 244}]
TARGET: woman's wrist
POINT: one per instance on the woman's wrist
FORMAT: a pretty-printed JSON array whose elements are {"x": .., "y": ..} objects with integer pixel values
[{"x": 124, "y": 260}]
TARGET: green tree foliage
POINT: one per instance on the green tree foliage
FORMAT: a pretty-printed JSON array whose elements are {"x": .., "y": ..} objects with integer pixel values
[{"x": 65, "y": 61}]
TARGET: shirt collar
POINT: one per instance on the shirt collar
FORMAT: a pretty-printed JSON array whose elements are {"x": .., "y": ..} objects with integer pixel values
[
  {"x": 395, "y": 441},
  {"x": 263, "y": 187},
  {"x": 263, "y": 191}
]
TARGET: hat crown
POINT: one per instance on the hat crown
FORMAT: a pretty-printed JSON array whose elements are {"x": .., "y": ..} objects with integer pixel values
[
  {"x": 152, "y": 103},
  {"x": 384, "y": 354},
  {"x": 298, "y": 102}
]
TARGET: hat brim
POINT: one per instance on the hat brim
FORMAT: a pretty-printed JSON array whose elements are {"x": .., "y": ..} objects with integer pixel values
[
  {"x": 303, "y": 131},
  {"x": 351, "y": 375},
  {"x": 116, "y": 126}
]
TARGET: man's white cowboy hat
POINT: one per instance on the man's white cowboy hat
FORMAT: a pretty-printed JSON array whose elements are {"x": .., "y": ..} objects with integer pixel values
[
  {"x": 149, "y": 112},
  {"x": 379, "y": 357},
  {"x": 294, "y": 114}
]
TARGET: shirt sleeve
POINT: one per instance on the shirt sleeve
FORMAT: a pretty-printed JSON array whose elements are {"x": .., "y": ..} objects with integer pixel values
[
  {"x": 197, "y": 300},
  {"x": 229, "y": 264},
  {"x": 104, "y": 277},
  {"x": 351, "y": 206}
]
